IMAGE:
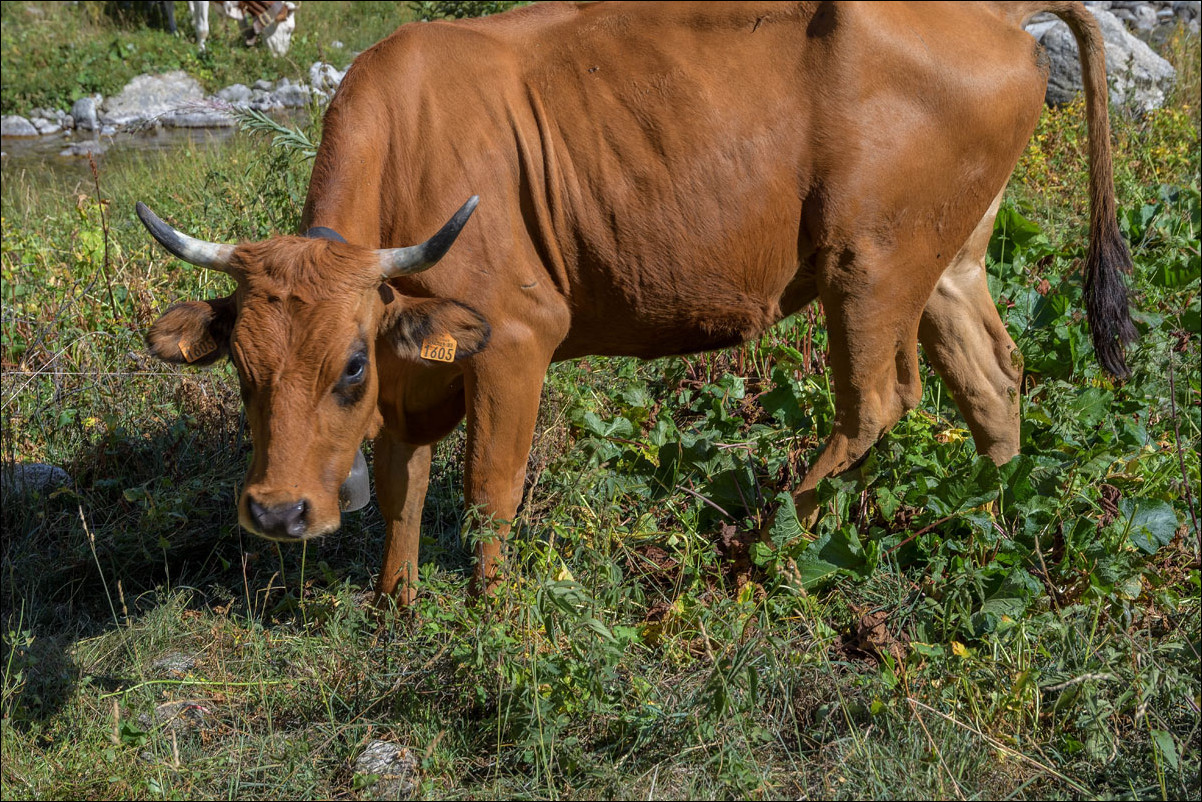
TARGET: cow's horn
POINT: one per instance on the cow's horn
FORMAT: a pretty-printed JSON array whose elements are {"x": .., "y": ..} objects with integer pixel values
[
  {"x": 212, "y": 255},
  {"x": 416, "y": 258}
]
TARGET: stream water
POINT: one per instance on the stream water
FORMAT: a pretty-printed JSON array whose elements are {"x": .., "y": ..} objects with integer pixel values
[{"x": 41, "y": 155}]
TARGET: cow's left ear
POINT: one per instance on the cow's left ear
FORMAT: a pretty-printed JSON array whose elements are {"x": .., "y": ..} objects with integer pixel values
[
  {"x": 422, "y": 328},
  {"x": 194, "y": 333}
]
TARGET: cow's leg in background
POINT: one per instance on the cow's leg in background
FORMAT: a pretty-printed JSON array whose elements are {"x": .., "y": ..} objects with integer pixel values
[
  {"x": 200, "y": 21},
  {"x": 872, "y": 321},
  {"x": 504, "y": 387},
  {"x": 968, "y": 344},
  {"x": 402, "y": 478}
]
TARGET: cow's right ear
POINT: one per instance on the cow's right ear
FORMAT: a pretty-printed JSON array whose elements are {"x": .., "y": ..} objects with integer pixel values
[
  {"x": 193, "y": 333},
  {"x": 432, "y": 329}
]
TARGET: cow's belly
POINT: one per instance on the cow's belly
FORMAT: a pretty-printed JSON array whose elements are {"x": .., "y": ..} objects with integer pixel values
[{"x": 669, "y": 311}]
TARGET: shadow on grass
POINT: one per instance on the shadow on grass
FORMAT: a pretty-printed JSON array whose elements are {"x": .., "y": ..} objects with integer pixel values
[{"x": 152, "y": 512}]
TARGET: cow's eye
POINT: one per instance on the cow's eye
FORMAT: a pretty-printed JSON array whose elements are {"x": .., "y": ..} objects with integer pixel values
[{"x": 355, "y": 370}]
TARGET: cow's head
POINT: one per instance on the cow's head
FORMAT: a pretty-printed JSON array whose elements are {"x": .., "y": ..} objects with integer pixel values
[{"x": 302, "y": 328}]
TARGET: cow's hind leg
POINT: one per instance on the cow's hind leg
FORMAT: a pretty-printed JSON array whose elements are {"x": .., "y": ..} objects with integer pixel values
[
  {"x": 969, "y": 346},
  {"x": 872, "y": 319}
]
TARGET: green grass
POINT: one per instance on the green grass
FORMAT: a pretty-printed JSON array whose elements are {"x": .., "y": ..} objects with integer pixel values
[
  {"x": 954, "y": 630},
  {"x": 54, "y": 53}
]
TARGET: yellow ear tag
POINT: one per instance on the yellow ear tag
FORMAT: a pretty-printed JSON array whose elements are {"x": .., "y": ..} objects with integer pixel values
[
  {"x": 199, "y": 349},
  {"x": 439, "y": 348}
]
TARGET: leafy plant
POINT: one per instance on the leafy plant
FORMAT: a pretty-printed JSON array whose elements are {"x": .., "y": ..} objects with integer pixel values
[{"x": 459, "y": 9}]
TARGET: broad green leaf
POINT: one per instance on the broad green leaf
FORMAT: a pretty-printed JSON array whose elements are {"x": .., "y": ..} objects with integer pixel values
[
  {"x": 834, "y": 552},
  {"x": 1092, "y": 407},
  {"x": 966, "y": 489},
  {"x": 1151, "y": 523},
  {"x": 786, "y": 528}
]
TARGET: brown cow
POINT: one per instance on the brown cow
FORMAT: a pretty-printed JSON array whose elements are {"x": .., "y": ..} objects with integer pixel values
[{"x": 654, "y": 179}]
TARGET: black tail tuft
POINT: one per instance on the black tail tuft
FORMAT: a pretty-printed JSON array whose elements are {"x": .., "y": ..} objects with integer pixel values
[{"x": 1106, "y": 300}]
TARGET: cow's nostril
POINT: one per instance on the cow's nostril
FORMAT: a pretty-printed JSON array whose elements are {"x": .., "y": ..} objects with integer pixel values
[
  {"x": 257, "y": 512},
  {"x": 284, "y": 520},
  {"x": 298, "y": 518}
]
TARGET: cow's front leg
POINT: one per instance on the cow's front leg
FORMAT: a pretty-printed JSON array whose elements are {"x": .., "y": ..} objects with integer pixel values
[
  {"x": 419, "y": 408},
  {"x": 402, "y": 477},
  {"x": 503, "y": 391}
]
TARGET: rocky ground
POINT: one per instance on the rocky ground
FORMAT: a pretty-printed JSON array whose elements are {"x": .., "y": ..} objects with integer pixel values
[
  {"x": 173, "y": 100},
  {"x": 1138, "y": 77}
]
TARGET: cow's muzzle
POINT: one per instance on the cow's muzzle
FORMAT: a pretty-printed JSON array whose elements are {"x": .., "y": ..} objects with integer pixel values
[
  {"x": 296, "y": 520},
  {"x": 288, "y": 521}
]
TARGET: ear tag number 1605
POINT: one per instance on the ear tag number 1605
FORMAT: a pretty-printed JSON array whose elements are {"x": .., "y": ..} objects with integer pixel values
[{"x": 439, "y": 348}]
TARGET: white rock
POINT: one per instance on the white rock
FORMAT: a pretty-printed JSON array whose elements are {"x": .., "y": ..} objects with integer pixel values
[
  {"x": 148, "y": 96},
  {"x": 46, "y": 127},
  {"x": 324, "y": 77},
  {"x": 235, "y": 94},
  {"x": 396, "y": 767},
  {"x": 292, "y": 95},
  {"x": 1137, "y": 76},
  {"x": 16, "y": 125},
  {"x": 199, "y": 118}
]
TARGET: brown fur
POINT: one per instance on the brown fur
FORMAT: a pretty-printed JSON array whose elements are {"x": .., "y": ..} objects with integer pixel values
[{"x": 655, "y": 178}]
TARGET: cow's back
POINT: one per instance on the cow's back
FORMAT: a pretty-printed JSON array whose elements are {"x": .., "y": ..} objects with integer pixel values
[{"x": 675, "y": 166}]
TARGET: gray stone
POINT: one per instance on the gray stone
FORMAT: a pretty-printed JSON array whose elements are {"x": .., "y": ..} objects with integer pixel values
[
  {"x": 263, "y": 85},
  {"x": 91, "y": 147},
  {"x": 47, "y": 114},
  {"x": 175, "y": 665},
  {"x": 292, "y": 95},
  {"x": 84, "y": 110},
  {"x": 1189, "y": 14},
  {"x": 198, "y": 118},
  {"x": 324, "y": 77},
  {"x": 46, "y": 127},
  {"x": 1138, "y": 77},
  {"x": 395, "y": 767},
  {"x": 179, "y": 716},
  {"x": 263, "y": 101},
  {"x": 237, "y": 94},
  {"x": 148, "y": 96},
  {"x": 16, "y": 125},
  {"x": 1143, "y": 18},
  {"x": 33, "y": 478}
]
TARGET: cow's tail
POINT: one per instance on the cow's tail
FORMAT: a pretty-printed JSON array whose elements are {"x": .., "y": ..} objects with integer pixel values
[{"x": 1106, "y": 304}]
